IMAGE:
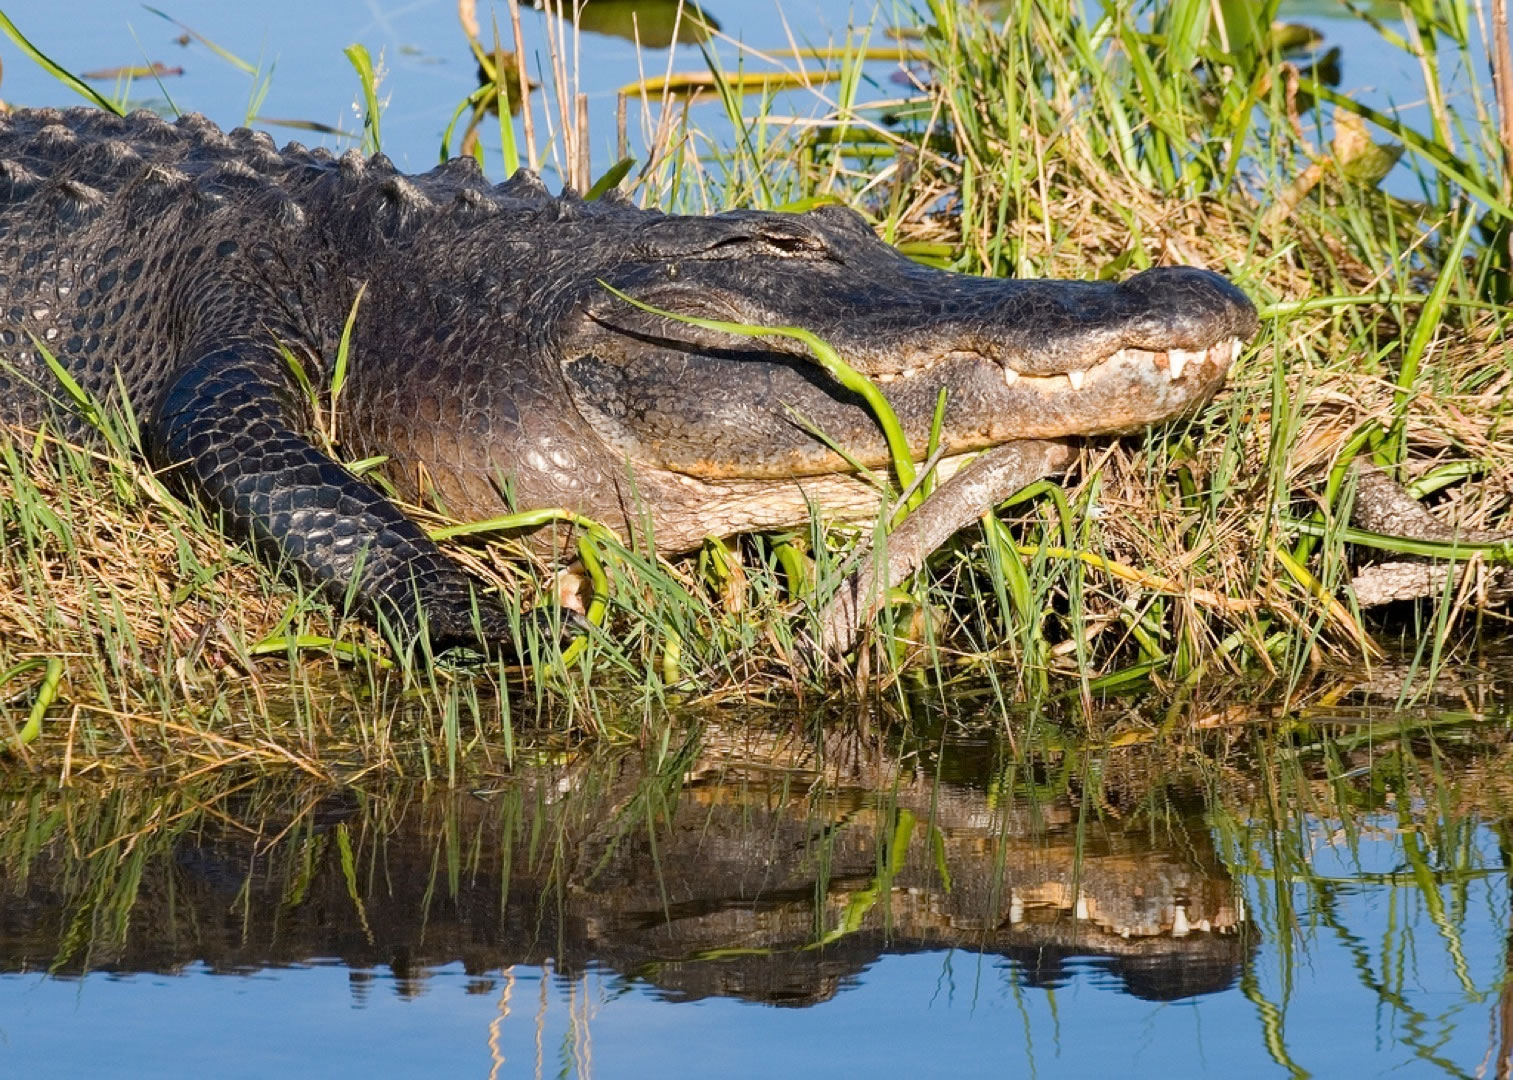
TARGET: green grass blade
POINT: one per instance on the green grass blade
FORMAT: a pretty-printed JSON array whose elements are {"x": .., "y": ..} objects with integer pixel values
[
  {"x": 362, "y": 63},
  {"x": 56, "y": 70},
  {"x": 1423, "y": 333}
]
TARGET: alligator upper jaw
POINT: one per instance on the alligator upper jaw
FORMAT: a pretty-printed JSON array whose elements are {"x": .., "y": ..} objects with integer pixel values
[
  {"x": 1171, "y": 363},
  {"x": 895, "y": 321}
]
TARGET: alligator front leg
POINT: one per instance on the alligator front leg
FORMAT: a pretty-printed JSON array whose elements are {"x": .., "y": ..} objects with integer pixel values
[
  {"x": 976, "y": 489},
  {"x": 229, "y": 424}
]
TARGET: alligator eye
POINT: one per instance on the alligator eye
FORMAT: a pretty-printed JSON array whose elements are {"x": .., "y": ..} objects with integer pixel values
[
  {"x": 789, "y": 244},
  {"x": 784, "y": 244}
]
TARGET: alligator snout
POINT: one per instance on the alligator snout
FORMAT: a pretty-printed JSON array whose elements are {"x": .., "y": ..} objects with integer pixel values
[
  {"x": 1184, "y": 307},
  {"x": 1044, "y": 327}
]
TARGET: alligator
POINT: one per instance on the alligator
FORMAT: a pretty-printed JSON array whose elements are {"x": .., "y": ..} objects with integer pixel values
[{"x": 200, "y": 282}]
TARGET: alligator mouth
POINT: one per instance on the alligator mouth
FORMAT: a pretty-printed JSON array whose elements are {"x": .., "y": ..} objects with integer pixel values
[
  {"x": 716, "y": 414},
  {"x": 1171, "y": 362}
]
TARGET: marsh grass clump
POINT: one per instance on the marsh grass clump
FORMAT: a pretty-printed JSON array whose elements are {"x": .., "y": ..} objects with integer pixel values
[{"x": 1051, "y": 141}]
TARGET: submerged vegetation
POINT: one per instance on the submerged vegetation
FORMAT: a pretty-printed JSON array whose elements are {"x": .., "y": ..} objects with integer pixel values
[{"x": 1059, "y": 139}]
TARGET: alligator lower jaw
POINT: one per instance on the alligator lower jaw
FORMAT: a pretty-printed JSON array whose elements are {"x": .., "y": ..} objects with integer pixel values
[{"x": 684, "y": 510}]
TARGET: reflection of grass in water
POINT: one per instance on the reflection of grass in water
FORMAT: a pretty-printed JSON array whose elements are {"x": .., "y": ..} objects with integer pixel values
[
  {"x": 1043, "y": 146},
  {"x": 113, "y": 859},
  {"x": 1337, "y": 785},
  {"x": 117, "y": 835}
]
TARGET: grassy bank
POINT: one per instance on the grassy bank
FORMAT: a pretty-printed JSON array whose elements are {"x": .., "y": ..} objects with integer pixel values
[{"x": 1205, "y": 554}]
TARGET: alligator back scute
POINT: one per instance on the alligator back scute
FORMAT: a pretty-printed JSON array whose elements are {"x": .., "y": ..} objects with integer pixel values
[
  {"x": 219, "y": 235},
  {"x": 90, "y": 208}
]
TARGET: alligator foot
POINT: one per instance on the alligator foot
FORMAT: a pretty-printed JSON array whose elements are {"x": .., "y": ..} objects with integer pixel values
[
  {"x": 444, "y": 612},
  {"x": 480, "y": 626},
  {"x": 972, "y": 492},
  {"x": 1382, "y": 506}
]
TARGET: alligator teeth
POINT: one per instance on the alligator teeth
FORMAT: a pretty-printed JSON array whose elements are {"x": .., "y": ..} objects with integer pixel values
[
  {"x": 1176, "y": 362},
  {"x": 1180, "y": 926},
  {"x": 1177, "y": 359}
]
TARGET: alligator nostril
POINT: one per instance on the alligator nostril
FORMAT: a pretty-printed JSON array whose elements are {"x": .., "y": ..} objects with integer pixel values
[{"x": 1205, "y": 304}]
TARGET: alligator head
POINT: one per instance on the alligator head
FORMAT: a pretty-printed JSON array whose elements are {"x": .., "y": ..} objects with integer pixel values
[{"x": 726, "y": 433}]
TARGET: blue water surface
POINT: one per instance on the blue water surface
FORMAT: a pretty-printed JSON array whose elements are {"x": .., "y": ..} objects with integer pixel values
[{"x": 427, "y": 68}]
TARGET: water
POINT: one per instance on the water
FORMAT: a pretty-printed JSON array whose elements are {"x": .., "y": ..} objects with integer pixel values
[
  {"x": 1242, "y": 903},
  {"x": 427, "y": 69}
]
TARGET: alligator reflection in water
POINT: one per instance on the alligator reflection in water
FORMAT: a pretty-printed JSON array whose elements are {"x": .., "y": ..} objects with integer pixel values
[{"x": 765, "y": 884}]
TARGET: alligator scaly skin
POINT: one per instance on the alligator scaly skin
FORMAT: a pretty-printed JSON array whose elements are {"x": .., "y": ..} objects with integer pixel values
[{"x": 172, "y": 260}]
